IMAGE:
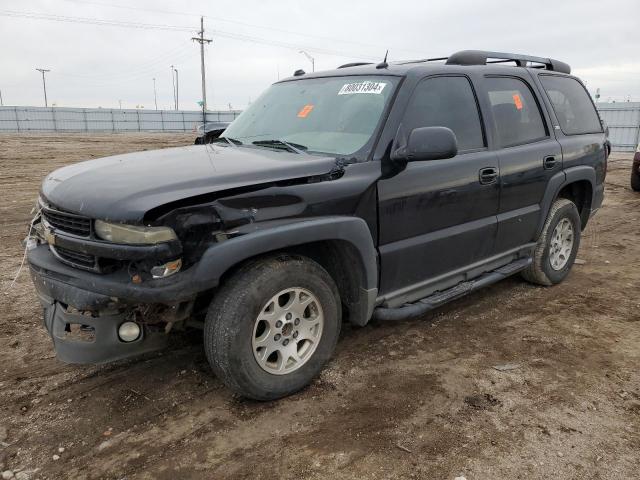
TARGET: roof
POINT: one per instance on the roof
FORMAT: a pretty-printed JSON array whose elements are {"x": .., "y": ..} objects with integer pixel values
[{"x": 465, "y": 58}]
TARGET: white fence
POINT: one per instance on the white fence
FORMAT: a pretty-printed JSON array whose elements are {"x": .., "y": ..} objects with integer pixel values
[
  {"x": 39, "y": 119},
  {"x": 623, "y": 119}
]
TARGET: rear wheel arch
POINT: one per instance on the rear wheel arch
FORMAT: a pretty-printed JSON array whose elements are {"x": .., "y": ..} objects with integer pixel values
[
  {"x": 580, "y": 193},
  {"x": 575, "y": 184}
]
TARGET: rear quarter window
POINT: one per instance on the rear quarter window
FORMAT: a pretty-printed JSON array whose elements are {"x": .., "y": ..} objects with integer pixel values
[{"x": 571, "y": 103}]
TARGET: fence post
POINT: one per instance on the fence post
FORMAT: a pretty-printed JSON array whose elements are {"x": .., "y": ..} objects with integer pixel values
[
  {"x": 84, "y": 116},
  {"x": 53, "y": 116},
  {"x": 138, "y": 117},
  {"x": 184, "y": 127},
  {"x": 15, "y": 111},
  {"x": 162, "y": 119}
]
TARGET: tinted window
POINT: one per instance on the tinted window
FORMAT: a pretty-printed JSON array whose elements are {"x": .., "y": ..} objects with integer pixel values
[
  {"x": 572, "y": 105},
  {"x": 446, "y": 102},
  {"x": 515, "y": 111}
]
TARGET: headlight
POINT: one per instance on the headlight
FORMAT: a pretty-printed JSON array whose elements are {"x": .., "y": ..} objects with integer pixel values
[{"x": 121, "y": 233}]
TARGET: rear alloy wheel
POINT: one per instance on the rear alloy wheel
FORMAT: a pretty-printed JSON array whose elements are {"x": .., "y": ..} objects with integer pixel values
[
  {"x": 557, "y": 246},
  {"x": 561, "y": 245},
  {"x": 272, "y": 326}
]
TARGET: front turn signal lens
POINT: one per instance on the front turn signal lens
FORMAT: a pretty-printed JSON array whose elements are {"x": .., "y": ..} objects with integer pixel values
[{"x": 166, "y": 270}]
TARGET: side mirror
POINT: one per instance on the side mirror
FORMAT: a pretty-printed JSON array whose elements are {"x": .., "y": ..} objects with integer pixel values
[{"x": 426, "y": 143}]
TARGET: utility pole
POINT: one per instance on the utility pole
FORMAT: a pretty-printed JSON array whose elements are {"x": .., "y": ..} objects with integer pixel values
[
  {"x": 44, "y": 84},
  {"x": 173, "y": 80},
  {"x": 201, "y": 40},
  {"x": 177, "y": 88},
  {"x": 1, "y": 102},
  {"x": 155, "y": 97},
  {"x": 311, "y": 59}
]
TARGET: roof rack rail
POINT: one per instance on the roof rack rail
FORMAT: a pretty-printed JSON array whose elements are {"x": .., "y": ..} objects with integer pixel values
[
  {"x": 355, "y": 64},
  {"x": 421, "y": 60},
  {"x": 481, "y": 57}
]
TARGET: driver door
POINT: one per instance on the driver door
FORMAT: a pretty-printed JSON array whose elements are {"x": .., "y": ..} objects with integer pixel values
[{"x": 438, "y": 217}]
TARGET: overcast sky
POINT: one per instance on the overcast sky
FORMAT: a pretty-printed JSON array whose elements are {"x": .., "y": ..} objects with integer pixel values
[{"x": 257, "y": 41}]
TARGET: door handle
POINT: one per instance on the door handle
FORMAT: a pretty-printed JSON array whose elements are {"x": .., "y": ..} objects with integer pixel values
[
  {"x": 549, "y": 162},
  {"x": 488, "y": 175}
]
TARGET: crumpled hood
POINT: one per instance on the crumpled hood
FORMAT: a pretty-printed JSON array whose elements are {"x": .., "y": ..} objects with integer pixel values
[{"x": 125, "y": 187}]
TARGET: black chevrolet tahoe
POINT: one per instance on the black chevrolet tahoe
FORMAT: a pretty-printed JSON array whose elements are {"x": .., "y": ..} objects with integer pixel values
[{"x": 370, "y": 191}]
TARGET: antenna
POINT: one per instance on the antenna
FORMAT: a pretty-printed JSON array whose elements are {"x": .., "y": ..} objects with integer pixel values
[{"x": 384, "y": 63}]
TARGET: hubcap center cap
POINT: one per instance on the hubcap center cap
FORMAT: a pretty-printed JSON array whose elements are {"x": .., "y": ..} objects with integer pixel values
[{"x": 287, "y": 329}]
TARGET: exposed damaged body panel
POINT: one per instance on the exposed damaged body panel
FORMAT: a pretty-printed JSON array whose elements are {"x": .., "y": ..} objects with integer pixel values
[{"x": 132, "y": 184}]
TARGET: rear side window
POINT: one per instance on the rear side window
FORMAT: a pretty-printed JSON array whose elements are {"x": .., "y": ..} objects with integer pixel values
[
  {"x": 447, "y": 102},
  {"x": 515, "y": 111},
  {"x": 572, "y": 105}
]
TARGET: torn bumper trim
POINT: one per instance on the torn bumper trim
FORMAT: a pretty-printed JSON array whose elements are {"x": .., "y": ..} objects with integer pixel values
[
  {"x": 105, "y": 345},
  {"x": 91, "y": 291}
]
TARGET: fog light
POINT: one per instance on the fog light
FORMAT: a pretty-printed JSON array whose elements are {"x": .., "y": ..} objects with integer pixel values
[
  {"x": 166, "y": 270},
  {"x": 129, "y": 331}
]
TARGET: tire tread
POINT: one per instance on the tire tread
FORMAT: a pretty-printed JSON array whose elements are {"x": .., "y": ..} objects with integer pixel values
[{"x": 534, "y": 273}]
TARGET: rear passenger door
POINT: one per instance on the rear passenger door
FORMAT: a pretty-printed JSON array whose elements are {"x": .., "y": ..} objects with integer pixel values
[
  {"x": 438, "y": 216},
  {"x": 528, "y": 155}
]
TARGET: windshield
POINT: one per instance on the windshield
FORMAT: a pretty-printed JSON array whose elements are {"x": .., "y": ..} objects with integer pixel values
[{"x": 334, "y": 115}]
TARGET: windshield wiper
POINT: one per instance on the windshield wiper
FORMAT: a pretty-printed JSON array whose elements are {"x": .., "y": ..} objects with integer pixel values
[
  {"x": 294, "y": 147},
  {"x": 231, "y": 141}
]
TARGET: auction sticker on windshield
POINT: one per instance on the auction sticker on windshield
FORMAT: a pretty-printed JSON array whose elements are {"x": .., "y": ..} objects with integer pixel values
[{"x": 362, "y": 87}]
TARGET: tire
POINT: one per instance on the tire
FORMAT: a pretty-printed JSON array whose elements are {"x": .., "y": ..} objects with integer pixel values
[
  {"x": 542, "y": 270},
  {"x": 233, "y": 332},
  {"x": 635, "y": 177}
]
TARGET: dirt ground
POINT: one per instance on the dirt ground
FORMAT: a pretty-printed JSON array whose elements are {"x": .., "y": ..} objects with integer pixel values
[{"x": 416, "y": 399}]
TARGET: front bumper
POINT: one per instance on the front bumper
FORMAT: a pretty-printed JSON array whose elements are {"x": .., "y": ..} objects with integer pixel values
[
  {"x": 104, "y": 345},
  {"x": 87, "y": 290},
  {"x": 99, "y": 304}
]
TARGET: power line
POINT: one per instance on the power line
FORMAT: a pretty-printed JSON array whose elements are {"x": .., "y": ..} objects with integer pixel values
[
  {"x": 180, "y": 28},
  {"x": 237, "y": 22},
  {"x": 151, "y": 65},
  {"x": 94, "y": 21}
]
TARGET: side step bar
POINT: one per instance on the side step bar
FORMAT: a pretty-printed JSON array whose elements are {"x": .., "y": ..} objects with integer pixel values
[{"x": 412, "y": 310}]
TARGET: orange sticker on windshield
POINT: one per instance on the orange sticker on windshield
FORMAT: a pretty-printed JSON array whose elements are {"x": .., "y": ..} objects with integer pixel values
[
  {"x": 306, "y": 110},
  {"x": 517, "y": 101}
]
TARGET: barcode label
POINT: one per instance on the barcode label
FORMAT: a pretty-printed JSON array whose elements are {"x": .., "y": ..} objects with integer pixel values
[{"x": 362, "y": 87}]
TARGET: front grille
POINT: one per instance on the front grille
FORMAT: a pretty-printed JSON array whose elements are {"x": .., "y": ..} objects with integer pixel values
[
  {"x": 68, "y": 222},
  {"x": 77, "y": 259}
]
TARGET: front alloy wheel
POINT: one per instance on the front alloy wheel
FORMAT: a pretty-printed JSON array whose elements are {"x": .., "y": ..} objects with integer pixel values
[
  {"x": 272, "y": 326},
  {"x": 287, "y": 331}
]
